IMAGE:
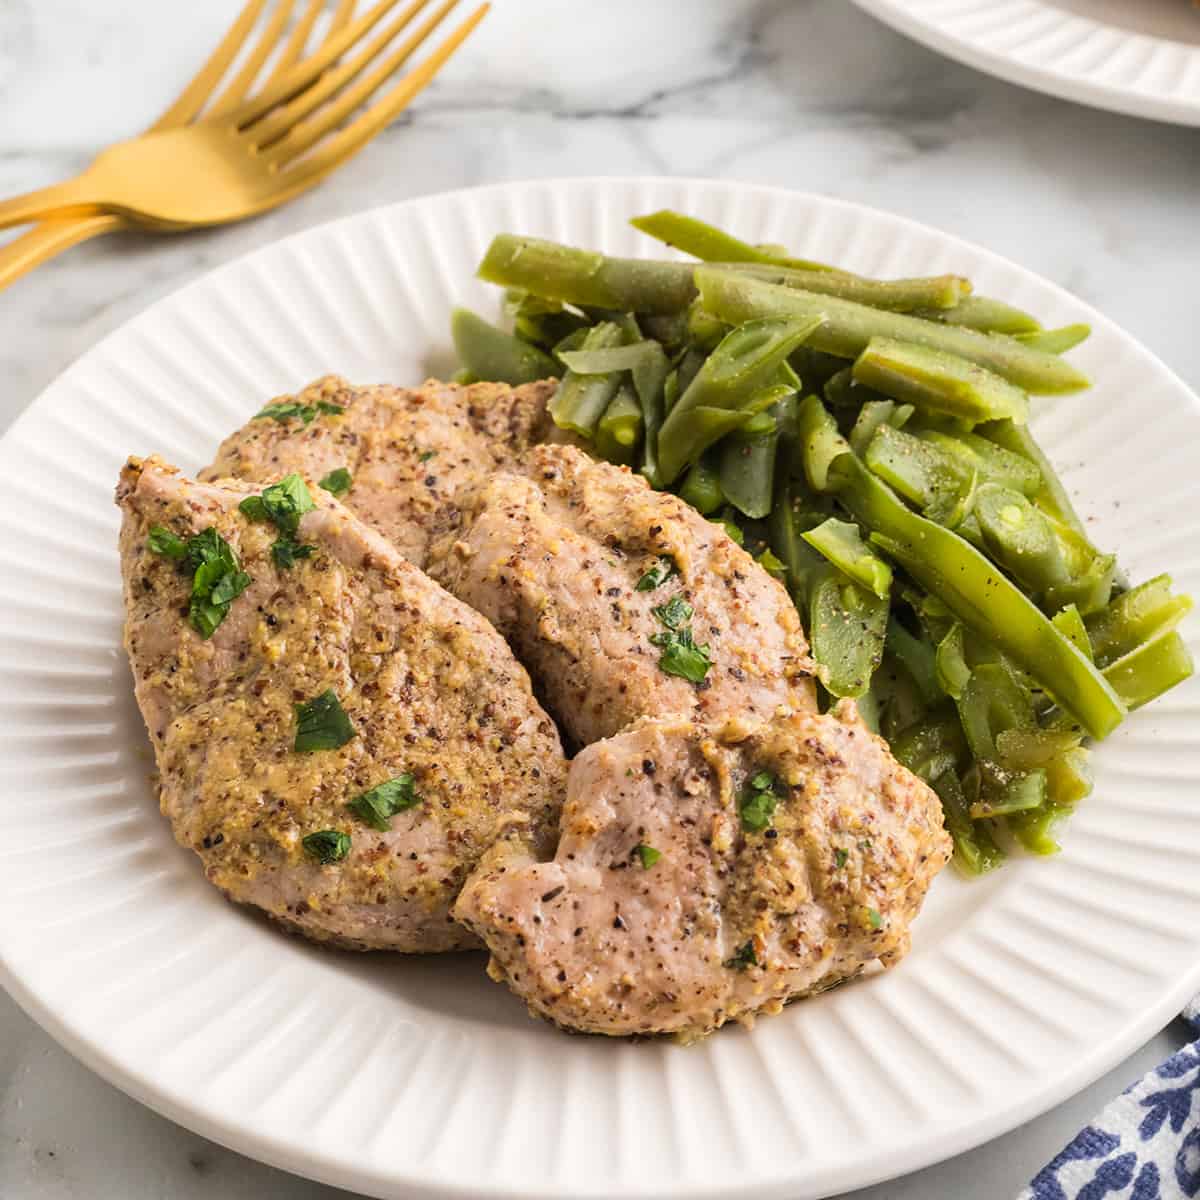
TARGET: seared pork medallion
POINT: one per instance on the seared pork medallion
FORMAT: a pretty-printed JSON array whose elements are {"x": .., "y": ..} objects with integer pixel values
[
  {"x": 623, "y": 602},
  {"x": 396, "y": 456},
  {"x": 337, "y": 738},
  {"x": 706, "y": 874}
]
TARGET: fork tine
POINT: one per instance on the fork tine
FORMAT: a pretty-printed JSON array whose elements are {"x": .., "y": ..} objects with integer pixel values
[
  {"x": 360, "y": 131},
  {"x": 193, "y": 97},
  {"x": 297, "y": 40},
  {"x": 288, "y": 119},
  {"x": 235, "y": 91},
  {"x": 309, "y": 69}
]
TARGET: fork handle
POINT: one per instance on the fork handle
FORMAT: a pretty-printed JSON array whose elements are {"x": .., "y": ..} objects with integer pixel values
[
  {"x": 74, "y": 197},
  {"x": 49, "y": 239}
]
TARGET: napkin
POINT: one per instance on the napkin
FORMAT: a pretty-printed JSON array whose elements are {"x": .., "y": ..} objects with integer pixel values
[{"x": 1144, "y": 1146}]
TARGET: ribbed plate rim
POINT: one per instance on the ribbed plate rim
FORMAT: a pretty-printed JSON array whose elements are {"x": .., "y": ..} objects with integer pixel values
[{"x": 951, "y": 34}]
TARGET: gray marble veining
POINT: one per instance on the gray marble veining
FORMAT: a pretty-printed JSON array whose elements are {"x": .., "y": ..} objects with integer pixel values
[{"x": 807, "y": 94}]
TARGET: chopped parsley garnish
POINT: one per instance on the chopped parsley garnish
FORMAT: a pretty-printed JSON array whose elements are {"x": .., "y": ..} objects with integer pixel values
[
  {"x": 426, "y": 455},
  {"x": 285, "y": 552},
  {"x": 675, "y": 613},
  {"x": 322, "y": 724},
  {"x": 163, "y": 541},
  {"x": 841, "y": 858},
  {"x": 337, "y": 482},
  {"x": 657, "y": 575},
  {"x": 285, "y": 410},
  {"x": 217, "y": 577},
  {"x": 874, "y": 919},
  {"x": 327, "y": 845},
  {"x": 743, "y": 957},
  {"x": 378, "y": 806},
  {"x": 681, "y": 656},
  {"x": 648, "y": 855},
  {"x": 757, "y": 802},
  {"x": 283, "y": 504}
]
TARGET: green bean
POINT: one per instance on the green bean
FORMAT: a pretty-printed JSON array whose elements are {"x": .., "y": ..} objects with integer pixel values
[
  {"x": 937, "y": 382},
  {"x": 1070, "y": 624},
  {"x": 841, "y": 543},
  {"x": 917, "y": 657},
  {"x": 737, "y": 376},
  {"x": 847, "y": 329},
  {"x": 872, "y": 414},
  {"x": 950, "y": 663},
  {"x": 993, "y": 699},
  {"x": 650, "y": 374},
  {"x": 608, "y": 358},
  {"x": 587, "y": 279},
  {"x": 984, "y": 314},
  {"x": 980, "y": 596},
  {"x": 1051, "y": 496},
  {"x": 1024, "y": 749},
  {"x": 490, "y": 353},
  {"x": 932, "y": 745},
  {"x": 1056, "y": 341},
  {"x": 975, "y": 850},
  {"x": 540, "y": 321},
  {"x": 819, "y": 441},
  {"x": 1020, "y": 538},
  {"x": 896, "y": 295},
  {"x": 992, "y": 463},
  {"x": 786, "y": 524},
  {"x": 708, "y": 243},
  {"x": 701, "y": 487},
  {"x": 619, "y": 431},
  {"x": 670, "y": 330},
  {"x": 748, "y": 467},
  {"x": 922, "y": 473},
  {"x": 844, "y": 394},
  {"x": 846, "y": 627},
  {"x": 581, "y": 400},
  {"x": 814, "y": 367},
  {"x": 1153, "y": 668},
  {"x": 703, "y": 329},
  {"x": 727, "y": 520},
  {"x": 1135, "y": 617},
  {"x": 1089, "y": 590},
  {"x": 1003, "y": 792}
]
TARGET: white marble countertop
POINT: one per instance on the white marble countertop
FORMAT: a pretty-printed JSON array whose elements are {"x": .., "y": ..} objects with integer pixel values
[{"x": 808, "y": 94}]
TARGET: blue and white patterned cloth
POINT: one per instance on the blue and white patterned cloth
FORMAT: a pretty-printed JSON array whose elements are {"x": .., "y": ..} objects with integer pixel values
[{"x": 1144, "y": 1146}]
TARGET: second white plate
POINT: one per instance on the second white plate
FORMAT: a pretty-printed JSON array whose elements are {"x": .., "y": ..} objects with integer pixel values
[
  {"x": 417, "y": 1077},
  {"x": 1140, "y": 58}
]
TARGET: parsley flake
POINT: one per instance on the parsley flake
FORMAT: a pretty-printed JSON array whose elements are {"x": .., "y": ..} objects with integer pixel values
[
  {"x": 676, "y": 613},
  {"x": 337, "y": 482},
  {"x": 322, "y": 724},
  {"x": 378, "y": 806},
  {"x": 327, "y": 845},
  {"x": 841, "y": 858},
  {"x": 681, "y": 656},
  {"x": 217, "y": 577},
  {"x": 285, "y": 552},
  {"x": 657, "y": 575},
  {"x": 757, "y": 802},
  {"x": 285, "y": 410},
  {"x": 874, "y": 919},
  {"x": 648, "y": 855},
  {"x": 743, "y": 957},
  {"x": 163, "y": 541},
  {"x": 426, "y": 455}
]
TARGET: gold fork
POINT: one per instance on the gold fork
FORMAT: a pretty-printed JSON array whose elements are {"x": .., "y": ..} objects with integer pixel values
[
  {"x": 251, "y": 155},
  {"x": 52, "y": 237}
]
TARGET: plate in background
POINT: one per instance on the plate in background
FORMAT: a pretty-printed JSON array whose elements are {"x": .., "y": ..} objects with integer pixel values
[
  {"x": 417, "y": 1077},
  {"x": 1140, "y": 58}
]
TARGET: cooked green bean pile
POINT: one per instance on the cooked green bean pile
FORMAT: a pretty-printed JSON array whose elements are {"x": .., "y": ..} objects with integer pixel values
[{"x": 866, "y": 441}]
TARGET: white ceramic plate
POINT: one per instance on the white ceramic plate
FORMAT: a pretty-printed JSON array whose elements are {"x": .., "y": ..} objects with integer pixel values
[
  {"x": 1140, "y": 57},
  {"x": 412, "y": 1077}
]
